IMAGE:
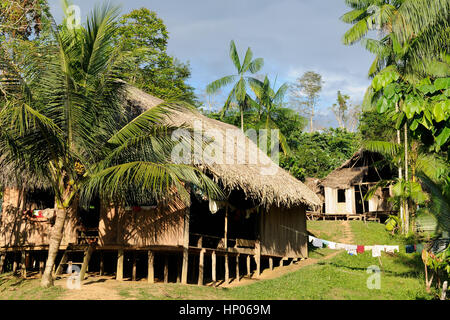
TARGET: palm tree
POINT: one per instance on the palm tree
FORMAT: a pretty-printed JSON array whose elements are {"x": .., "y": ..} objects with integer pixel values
[
  {"x": 419, "y": 163},
  {"x": 64, "y": 125},
  {"x": 414, "y": 30},
  {"x": 268, "y": 102},
  {"x": 238, "y": 94}
]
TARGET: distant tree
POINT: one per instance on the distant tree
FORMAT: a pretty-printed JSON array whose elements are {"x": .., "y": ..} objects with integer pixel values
[
  {"x": 340, "y": 109},
  {"x": 144, "y": 34},
  {"x": 21, "y": 18},
  {"x": 305, "y": 93},
  {"x": 238, "y": 95}
]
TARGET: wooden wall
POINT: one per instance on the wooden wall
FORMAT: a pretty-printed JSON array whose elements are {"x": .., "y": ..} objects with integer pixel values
[
  {"x": 163, "y": 225},
  {"x": 283, "y": 232},
  {"x": 332, "y": 206},
  {"x": 16, "y": 230}
]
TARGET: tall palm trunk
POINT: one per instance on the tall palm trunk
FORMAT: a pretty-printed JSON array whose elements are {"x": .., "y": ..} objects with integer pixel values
[
  {"x": 54, "y": 243},
  {"x": 400, "y": 173},
  {"x": 242, "y": 119},
  {"x": 406, "y": 179}
]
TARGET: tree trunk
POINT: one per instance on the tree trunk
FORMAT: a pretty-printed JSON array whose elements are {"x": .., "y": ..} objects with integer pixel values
[
  {"x": 400, "y": 174},
  {"x": 54, "y": 243},
  {"x": 406, "y": 180},
  {"x": 242, "y": 119}
]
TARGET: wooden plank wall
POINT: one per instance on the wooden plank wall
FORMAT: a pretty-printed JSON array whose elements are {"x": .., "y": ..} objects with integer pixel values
[
  {"x": 15, "y": 230},
  {"x": 283, "y": 232},
  {"x": 163, "y": 225}
]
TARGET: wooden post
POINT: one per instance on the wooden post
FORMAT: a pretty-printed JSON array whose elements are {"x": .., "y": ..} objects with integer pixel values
[
  {"x": 14, "y": 269},
  {"x": 184, "y": 270},
  {"x": 133, "y": 273},
  {"x": 213, "y": 266},
  {"x": 227, "y": 269},
  {"x": 258, "y": 258},
  {"x": 102, "y": 264},
  {"x": 281, "y": 262},
  {"x": 23, "y": 264},
  {"x": 166, "y": 269},
  {"x": 86, "y": 259},
  {"x": 237, "y": 268},
  {"x": 249, "y": 271},
  {"x": 119, "y": 271},
  {"x": 271, "y": 263},
  {"x": 151, "y": 268},
  {"x": 179, "y": 268},
  {"x": 41, "y": 267},
  {"x": 2, "y": 261},
  {"x": 63, "y": 261},
  {"x": 200, "y": 267}
]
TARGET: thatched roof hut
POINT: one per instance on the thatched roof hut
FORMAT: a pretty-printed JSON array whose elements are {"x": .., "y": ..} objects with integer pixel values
[
  {"x": 277, "y": 188},
  {"x": 343, "y": 178}
]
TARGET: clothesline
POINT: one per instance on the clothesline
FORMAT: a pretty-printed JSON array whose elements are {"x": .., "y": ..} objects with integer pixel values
[{"x": 355, "y": 249}]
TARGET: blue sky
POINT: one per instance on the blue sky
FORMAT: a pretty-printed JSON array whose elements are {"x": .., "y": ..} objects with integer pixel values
[{"x": 293, "y": 36}]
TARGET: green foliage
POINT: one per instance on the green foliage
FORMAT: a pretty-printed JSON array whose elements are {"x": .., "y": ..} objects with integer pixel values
[
  {"x": 319, "y": 153},
  {"x": 145, "y": 36},
  {"x": 238, "y": 96}
]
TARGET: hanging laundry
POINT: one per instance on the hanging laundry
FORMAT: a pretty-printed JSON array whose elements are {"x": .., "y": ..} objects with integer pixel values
[
  {"x": 340, "y": 246},
  {"x": 332, "y": 245},
  {"x": 317, "y": 243},
  {"x": 213, "y": 207},
  {"x": 310, "y": 238},
  {"x": 360, "y": 249},
  {"x": 419, "y": 247},
  {"x": 376, "y": 251},
  {"x": 391, "y": 249},
  {"x": 352, "y": 252},
  {"x": 410, "y": 248},
  {"x": 326, "y": 243}
]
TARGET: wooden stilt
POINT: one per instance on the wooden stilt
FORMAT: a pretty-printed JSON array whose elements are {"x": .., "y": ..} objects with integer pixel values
[
  {"x": 213, "y": 266},
  {"x": 86, "y": 259},
  {"x": 102, "y": 264},
  {"x": 119, "y": 271},
  {"x": 249, "y": 270},
  {"x": 2, "y": 262},
  {"x": 179, "y": 268},
  {"x": 271, "y": 263},
  {"x": 61, "y": 264},
  {"x": 14, "y": 268},
  {"x": 166, "y": 269},
  {"x": 281, "y": 262},
  {"x": 23, "y": 264},
  {"x": 227, "y": 269},
  {"x": 184, "y": 270},
  {"x": 238, "y": 278},
  {"x": 200, "y": 267},
  {"x": 133, "y": 273},
  {"x": 41, "y": 267},
  {"x": 258, "y": 258},
  {"x": 151, "y": 268}
]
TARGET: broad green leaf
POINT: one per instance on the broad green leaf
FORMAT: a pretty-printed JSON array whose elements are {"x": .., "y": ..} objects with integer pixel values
[
  {"x": 443, "y": 137},
  {"x": 440, "y": 110},
  {"x": 442, "y": 84}
]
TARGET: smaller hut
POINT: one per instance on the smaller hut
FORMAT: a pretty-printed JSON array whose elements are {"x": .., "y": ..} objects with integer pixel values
[{"x": 345, "y": 188}]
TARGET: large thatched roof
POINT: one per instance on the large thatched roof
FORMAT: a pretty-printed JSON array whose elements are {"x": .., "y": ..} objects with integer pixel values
[{"x": 279, "y": 188}]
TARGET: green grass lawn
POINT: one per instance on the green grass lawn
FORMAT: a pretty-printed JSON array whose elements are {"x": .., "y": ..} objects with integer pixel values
[{"x": 340, "y": 277}]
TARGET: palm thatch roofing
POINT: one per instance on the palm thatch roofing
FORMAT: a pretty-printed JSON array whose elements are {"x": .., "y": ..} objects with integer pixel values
[
  {"x": 344, "y": 178},
  {"x": 278, "y": 188}
]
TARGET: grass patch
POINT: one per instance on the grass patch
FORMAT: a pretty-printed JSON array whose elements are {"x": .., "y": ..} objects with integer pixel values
[{"x": 16, "y": 288}]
